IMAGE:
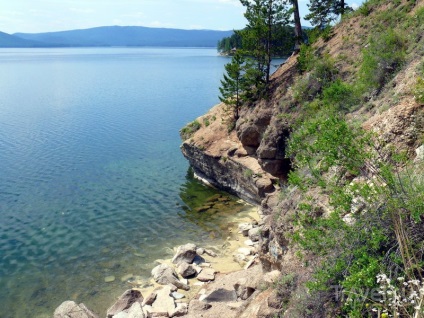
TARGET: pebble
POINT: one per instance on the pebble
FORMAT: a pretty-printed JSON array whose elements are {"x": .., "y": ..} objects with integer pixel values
[
  {"x": 126, "y": 277},
  {"x": 176, "y": 295},
  {"x": 109, "y": 279}
]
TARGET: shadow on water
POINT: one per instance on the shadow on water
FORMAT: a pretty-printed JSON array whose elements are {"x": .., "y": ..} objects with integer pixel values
[{"x": 208, "y": 208}]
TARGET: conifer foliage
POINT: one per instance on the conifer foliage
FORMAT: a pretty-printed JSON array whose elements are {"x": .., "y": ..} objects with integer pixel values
[{"x": 323, "y": 12}]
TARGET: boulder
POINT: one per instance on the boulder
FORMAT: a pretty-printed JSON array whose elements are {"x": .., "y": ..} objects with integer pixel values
[
  {"x": 249, "y": 135},
  {"x": 245, "y": 251},
  {"x": 164, "y": 274},
  {"x": 271, "y": 277},
  {"x": 186, "y": 270},
  {"x": 239, "y": 258},
  {"x": 164, "y": 303},
  {"x": 206, "y": 275},
  {"x": 149, "y": 299},
  {"x": 179, "y": 311},
  {"x": 244, "y": 228},
  {"x": 210, "y": 253},
  {"x": 200, "y": 251},
  {"x": 185, "y": 253},
  {"x": 198, "y": 306},
  {"x": 254, "y": 234},
  {"x": 70, "y": 309},
  {"x": 244, "y": 288},
  {"x": 127, "y": 299},
  {"x": 136, "y": 311},
  {"x": 221, "y": 295},
  {"x": 264, "y": 185},
  {"x": 259, "y": 306}
]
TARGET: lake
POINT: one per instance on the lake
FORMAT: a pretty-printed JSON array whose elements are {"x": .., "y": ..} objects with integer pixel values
[{"x": 93, "y": 183}]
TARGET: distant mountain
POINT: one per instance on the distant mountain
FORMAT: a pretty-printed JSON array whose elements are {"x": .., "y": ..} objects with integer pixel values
[
  {"x": 128, "y": 36},
  {"x": 7, "y": 40}
]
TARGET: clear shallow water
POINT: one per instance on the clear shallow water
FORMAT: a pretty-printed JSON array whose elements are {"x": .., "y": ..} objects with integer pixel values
[{"x": 92, "y": 182}]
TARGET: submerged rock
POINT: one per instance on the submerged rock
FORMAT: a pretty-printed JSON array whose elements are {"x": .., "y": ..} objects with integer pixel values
[{"x": 109, "y": 279}]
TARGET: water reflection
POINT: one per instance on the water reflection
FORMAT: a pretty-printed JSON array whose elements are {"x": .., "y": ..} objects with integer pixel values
[{"x": 208, "y": 208}]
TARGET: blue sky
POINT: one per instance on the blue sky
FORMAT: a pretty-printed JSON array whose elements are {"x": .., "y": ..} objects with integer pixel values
[{"x": 55, "y": 15}]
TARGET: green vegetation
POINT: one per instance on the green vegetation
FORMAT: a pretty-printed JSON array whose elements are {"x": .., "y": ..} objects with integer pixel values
[
  {"x": 234, "y": 85},
  {"x": 324, "y": 12},
  {"x": 382, "y": 58},
  {"x": 189, "y": 130},
  {"x": 229, "y": 43},
  {"x": 369, "y": 244},
  {"x": 376, "y": 217},
  {"x": 283, "y": 42}
]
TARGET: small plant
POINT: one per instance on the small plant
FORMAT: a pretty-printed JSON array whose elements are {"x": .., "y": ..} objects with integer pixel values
[
  {"x": 206, "y": 121},
  {"x": 248, "y": 173},
  {"x": 399, "y": 298},
  {"x": 419, "y": 91},
  {"x": 306, "y": 58},
  {"x": 189, "y": 130}
]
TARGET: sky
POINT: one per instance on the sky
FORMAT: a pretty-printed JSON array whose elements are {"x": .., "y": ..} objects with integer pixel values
[{"x": 33, "y": 16}]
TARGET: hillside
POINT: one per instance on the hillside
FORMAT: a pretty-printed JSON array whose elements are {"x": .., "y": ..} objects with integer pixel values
[
  {"x": 11, "y": 41},
  {"x": 129, "y": 36},
  {"x": 334, "y": 158}
]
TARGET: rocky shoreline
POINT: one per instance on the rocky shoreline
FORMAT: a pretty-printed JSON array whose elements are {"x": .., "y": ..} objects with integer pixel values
[{"x": 196, "y": 282}]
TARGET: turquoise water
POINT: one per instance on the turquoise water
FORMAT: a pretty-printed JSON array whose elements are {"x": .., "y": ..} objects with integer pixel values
[{"x": 92, "y": 182}]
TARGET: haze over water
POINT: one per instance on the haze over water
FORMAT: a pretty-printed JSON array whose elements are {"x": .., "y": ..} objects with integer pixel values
[{"x": 92, "y": 181}]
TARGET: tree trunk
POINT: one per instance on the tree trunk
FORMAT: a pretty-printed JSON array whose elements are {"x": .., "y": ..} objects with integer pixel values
[
  {"x": 297, "y": 26},
  {"x": 342, "y": 7}
]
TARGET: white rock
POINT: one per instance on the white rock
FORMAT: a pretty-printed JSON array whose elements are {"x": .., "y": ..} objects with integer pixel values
[
  {"x": 245, "y": 251},
  {"x": 248, "y": 243},
  {"x": 420, "y": 153}
]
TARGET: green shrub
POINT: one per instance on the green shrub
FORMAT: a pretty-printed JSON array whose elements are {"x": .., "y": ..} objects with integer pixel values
[
  {"x": 306, "y": 58},
  {"x": 382, "y": 58},
  {"x": 322, "y": 74},
  {"x": 383, "y": 235},
  {"x": 419, "y": 91},
  {"x": 341, "y": 95},
  {"x": 189, "y": 130},
  {"x": 248, "y": 173}
]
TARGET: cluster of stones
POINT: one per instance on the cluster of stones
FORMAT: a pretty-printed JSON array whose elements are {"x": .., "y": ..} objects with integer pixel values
[
  {"x": 243, "y": 255},
  {"x": 187, "y": 268},
  {"x": 187, "y": 263}
]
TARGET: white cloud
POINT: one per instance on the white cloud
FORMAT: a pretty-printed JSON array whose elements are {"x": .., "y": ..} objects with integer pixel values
[
  {"x": 232, "y": 2},
  {"x": 82, "y": 11},
  {"x": 159, "y": 24},
  {"x": 355, "y": 6}
]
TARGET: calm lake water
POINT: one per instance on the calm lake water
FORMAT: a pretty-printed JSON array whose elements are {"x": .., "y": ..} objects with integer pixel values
[{"x": 92, "y": 181}]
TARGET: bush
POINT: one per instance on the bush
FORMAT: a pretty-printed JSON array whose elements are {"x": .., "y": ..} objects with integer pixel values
[
  {"x": 385, "y": 229},
  {"x": 322, "y": 74},
  {"x": 189, "y": 130},
  {"x": 341, "y": 95},
  {"x": 419, "y": 91},
  {"x": 306, "y": 58},
  {"x": 382, "y": 58}
]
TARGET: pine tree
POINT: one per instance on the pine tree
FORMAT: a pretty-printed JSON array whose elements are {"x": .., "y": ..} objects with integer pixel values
[
  {"x": 297, "y": 24},
  {"x": 233, "y": 85},
  {"x": 323, "y": 12},
  {"x": 258, "y": 36}
]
